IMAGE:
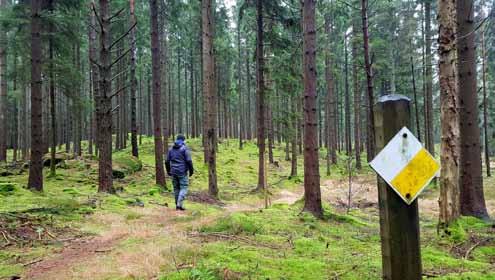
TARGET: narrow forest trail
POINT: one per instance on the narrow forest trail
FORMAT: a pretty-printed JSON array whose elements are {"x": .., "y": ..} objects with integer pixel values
[
  {"x": 152, "y": 242},
  {"x": 140, "y": 247}
]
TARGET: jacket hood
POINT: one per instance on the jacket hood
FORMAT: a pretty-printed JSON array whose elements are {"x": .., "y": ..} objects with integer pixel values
[{"x": 178, "y": 144}]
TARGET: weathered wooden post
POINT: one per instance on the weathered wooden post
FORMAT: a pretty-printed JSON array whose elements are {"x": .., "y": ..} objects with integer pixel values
[{"x": 399, "y": 222}]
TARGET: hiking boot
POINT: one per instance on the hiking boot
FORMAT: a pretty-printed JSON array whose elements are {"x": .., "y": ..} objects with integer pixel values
[{"x": 180, "y": 208}]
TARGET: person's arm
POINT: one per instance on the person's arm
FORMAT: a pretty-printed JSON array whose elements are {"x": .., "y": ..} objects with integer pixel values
[
  {"x": 189, "y": 162},
  {"x": 167, "y": 163}
]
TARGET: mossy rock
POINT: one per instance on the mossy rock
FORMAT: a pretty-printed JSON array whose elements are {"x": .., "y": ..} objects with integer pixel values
[
  {"x": 7, "y": 189},
  {"x": 59, "y": 158},
  {"x": 118, "y": 174},
  {"x": 124, "y": 165},
  {"x": 5, "y": 173}
]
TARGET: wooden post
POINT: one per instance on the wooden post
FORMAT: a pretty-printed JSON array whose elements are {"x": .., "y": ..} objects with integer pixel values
[{"x": 399, "y": 222}]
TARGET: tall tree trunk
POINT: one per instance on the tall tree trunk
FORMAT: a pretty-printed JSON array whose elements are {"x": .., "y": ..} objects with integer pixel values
[
  {"x": 164, "y": 78},
  {"x": 416, "y": 106},
  {"x": 3, "y": 88},
  {"x": 430, "y": 141},
  {"x": 16, "y": 112},
  {"x": 134, "y": 142},
  {"x": 347, "y": 100},
  {"x": 293, "y": 137},
  {"x": 369, "y": 79},
  {"x": 260, "y": 88},
  {"x": 485, "y": 105},
  {"x": 239, "y": 84},
  {"x": 52, "y": 98},
  {"x": 249, "y": 105},
  {"x": 156, "y": 75},
  {"x": 103, "y": 102},
  {"x": 357, "y": 94},
  {"x": 36, "y": 167},
  {"x": 330, "y": 101},
  {"x": 210, "y": 107},
  {"x": 449, "y": 101},
  {"x": 472, "y": 197},
  {"x": 312, "y": 192}
]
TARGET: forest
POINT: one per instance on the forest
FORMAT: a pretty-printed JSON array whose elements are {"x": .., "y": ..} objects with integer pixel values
[{"x": 247, "y": 139}]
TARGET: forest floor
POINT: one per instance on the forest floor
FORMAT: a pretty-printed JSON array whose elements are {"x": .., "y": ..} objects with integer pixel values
[{"x": 72, "y": 232}]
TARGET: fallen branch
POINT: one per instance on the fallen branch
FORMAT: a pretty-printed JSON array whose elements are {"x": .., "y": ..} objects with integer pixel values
[
  {"x": 468, "y": 252},
  {"x": 429, "y": 275},
  {"x": 5, "y": 237},
  {"x": 159, "y": 204},
  {"x": 337, "y": 275},
  {"x": 103, "y": 250},
  {"x": 32, "y": 262}
]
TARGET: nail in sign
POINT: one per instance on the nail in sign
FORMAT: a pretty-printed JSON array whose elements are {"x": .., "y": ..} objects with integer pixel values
[{"x": 405, "y": 165}]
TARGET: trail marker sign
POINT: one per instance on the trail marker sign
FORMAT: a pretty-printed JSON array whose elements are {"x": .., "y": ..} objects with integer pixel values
[{"x": 405, "y": 165}]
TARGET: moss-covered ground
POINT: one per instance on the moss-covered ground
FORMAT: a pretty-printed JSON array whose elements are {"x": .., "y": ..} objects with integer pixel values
[{"x": 71, "y": 232}]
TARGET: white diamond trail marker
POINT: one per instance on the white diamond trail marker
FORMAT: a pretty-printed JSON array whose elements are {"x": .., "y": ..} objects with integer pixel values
[{"x": 405, "y": 165}]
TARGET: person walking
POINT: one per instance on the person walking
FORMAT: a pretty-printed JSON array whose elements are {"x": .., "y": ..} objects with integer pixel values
[{"x": 179, "y": 164}]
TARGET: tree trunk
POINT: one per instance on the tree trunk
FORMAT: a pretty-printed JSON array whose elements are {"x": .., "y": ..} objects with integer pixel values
[
  {"x": 293, "y": 133},
  {"x": 485, "y": 105},
  {"x": 430, "y": 141},
  {"x": 36, "y": 166},
  {"x": 471, "y": 192},
  {"x": 156, "y": 75},
  {"x": 330, "y": 101},
  {"x": 416, "y": 106},
  {"x": 449, "y": 101},
  {"x": 239, "y": 84},
  {"x": 260, "y": 94},
  {"x": 369, "y": 79},
  {"x": 347, "y": 100},
  {"x": 52, "y": 99},
  {"x": 210, "y": 107},
  {"x": 312, "y": 192},
  {"x": 3, "y": 88},
  {"x": 134, "y": 142},
  {"x": 103, "y": 101},
  {"x": 357, "y": 96}
]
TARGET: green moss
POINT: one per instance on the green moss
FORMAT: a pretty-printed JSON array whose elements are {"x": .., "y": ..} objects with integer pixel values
[
  {"x": 484, "y": 254},
  {"x": 126, "y": 163},
  {"x": 9, "y": 270},
  {"x": 7, "y": 189},
  {"x": 236, "y": 224}
]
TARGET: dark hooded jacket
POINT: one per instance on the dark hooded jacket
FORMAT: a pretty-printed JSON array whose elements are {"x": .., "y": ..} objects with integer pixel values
[{"x": 179, "y": 160}]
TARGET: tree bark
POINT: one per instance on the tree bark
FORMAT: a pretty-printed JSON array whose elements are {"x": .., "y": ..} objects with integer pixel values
[
  {"x": 239, "y": 84},
  {"x": 485, "y": 105},
  {"x": 3, "y": 88},
  {"x": 260, "y": 94},
  {"x": 312, "y": 192},
  {"x": 430, "y": 141},
  {"x": 103, "y": 102},
  {"x": 134, "y": 142},
  {"x": 449, "y": 107},
  {"x": 369, "y": 79},
  {"x": 210, "y": 107},
  {"x": 156, "y": 75},
  {"x": 416, "y": 106},
  {"x": 53, "y": 116},
  {"x": 36, "y": 167},
  {"x": 347, "y": 104},
  {"x": 472, "y": 198},
  {"x": 330, "y": 101},
  {"x": 357, "y": 95}
]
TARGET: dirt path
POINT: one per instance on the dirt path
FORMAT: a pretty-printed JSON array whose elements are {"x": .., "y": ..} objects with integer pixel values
[
  {"x": 149, "y": 244},
  {"x": 137, "y": 248}
]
